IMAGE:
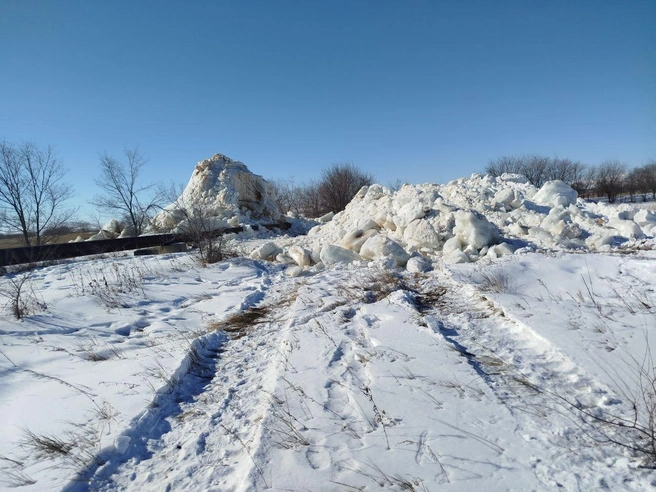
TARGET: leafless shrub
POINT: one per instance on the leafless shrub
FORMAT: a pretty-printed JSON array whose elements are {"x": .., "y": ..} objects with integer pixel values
[
  {"x": 339, "y": 184},
  {"x": 22, "y": 299},
  {"x": 198, "y": 221},
  {"x": 380, "y": 416}
]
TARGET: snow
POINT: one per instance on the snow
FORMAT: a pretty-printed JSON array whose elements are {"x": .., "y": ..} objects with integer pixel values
[
  {"x": 470, "y": 219},
  {"x": 555, "y": 194},
  {"x": 459, "y": 337},
  {"x": 337, "y": 386}
]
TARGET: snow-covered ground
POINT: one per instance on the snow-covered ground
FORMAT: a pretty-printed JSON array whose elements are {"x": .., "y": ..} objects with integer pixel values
[{"x": 235, "y": 376}]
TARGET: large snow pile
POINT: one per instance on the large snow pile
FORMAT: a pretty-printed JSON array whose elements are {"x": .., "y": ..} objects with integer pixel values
[
  {"x": 221, "y": 190},
  {"x": 462, "y": 221}
]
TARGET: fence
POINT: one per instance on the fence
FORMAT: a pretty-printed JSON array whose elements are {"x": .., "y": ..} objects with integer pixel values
[{"x": 46, "y": 252}]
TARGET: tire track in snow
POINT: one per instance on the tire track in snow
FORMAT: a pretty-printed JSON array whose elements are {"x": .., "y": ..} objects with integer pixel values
[
  {"x": 531, "y": 376},
  {"x": 218, "y": 394}
]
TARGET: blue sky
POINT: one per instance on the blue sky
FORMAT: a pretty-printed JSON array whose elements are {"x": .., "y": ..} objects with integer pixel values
[{"x": 419, "y": 91}]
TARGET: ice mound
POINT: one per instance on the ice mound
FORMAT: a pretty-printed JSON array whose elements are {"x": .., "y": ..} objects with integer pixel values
[
  {"x": 223, "y": 191},
  {"x": 463, "y": 221},
  {"x": 555, "y": 193}
]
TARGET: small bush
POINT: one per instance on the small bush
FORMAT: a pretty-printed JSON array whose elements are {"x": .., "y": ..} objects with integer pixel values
[{"x": 22, "y": 300}]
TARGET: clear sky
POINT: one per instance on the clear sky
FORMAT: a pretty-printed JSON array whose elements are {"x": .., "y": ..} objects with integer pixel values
[{"x": 422, "y": 91}]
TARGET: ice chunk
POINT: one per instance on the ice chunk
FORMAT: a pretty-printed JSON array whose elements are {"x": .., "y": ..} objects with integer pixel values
[
  {"x": 499, "y": 250},
  {"x": 626, "y": 228},
  {"x": 331, "y": 254},
  {"x": 421, "y": 233},
  {"x": 409, "y": 212},
  {"x": 224, "y": 188},
  {"x": 474, "y": 230},
  {"x": 112, "y": 227},
  {"x": 456, "y": 257},
  {"x": 268, "y": 251},
  {"x": 326, "y": 218},
  {"x": 121, "y": 444},
  {"x": 355, "y": 239},
  {"x": 508, "y": 197},
  {"x": 555, "y": 193},
  {"x": 419, "y": 264},
  {"x": 294, "y": 271},
  {"x": 300, "y": 255},
  {"x": 102, "y": 235},
  {"x": 513, "y": 178},
  {"x": 645, "y": 218},
  {"x": 380, "y": 246}
]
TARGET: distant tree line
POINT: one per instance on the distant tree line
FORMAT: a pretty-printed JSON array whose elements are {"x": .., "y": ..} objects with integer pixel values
[{"x": 610, "y": 179}]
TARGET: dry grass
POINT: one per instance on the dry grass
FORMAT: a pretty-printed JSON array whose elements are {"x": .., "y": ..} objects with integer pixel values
[
  {"x": 374, "y": 285},
  {"x": 45, "y": 447},
  {"x": 16, "y": 240},
  {"x": 239, "y": 324},
  {"x": 497, "y": 281}
]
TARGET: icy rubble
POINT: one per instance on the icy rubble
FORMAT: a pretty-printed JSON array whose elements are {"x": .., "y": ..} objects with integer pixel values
[
  {"x": 463, "y": 221},
  {"x": 111, "y": 230},
  {"x": 223, "y": 191}
]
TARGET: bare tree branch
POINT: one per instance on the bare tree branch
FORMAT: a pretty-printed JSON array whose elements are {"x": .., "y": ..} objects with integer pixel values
[{"x": 122, "y": 192}]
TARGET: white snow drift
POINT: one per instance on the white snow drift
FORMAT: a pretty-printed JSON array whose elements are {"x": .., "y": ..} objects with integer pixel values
[{"x": 464, "y": 221}]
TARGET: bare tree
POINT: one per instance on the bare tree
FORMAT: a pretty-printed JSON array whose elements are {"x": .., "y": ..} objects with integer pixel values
[
  {"x": 565, "y": 170},
  {"x": 339, "y": 184},
  {"x": 122, "y": 191},
  {"x": 536, "y": 169},
  {"x": 585, "y": 183},
  {"x": 646, "y": 178},
  {"x": 610, "y": 179},
  {"x": 32, "y": 190},
  {"x": 289, "y": 196}
]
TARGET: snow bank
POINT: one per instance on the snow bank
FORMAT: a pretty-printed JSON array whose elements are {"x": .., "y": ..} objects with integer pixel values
[
  {"x": 464, "y": 221},
  {"x": 223, "y": 190}
]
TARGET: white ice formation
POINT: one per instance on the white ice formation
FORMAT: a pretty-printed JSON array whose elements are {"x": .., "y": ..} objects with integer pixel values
[
  {"x": 463, "y": 221},
  {"x": 222, "y": 191}
]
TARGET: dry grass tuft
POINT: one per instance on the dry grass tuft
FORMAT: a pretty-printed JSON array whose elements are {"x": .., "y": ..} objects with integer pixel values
[
  {"x": 497, "y": 282},
  {"x": 238, "y": 324}
]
